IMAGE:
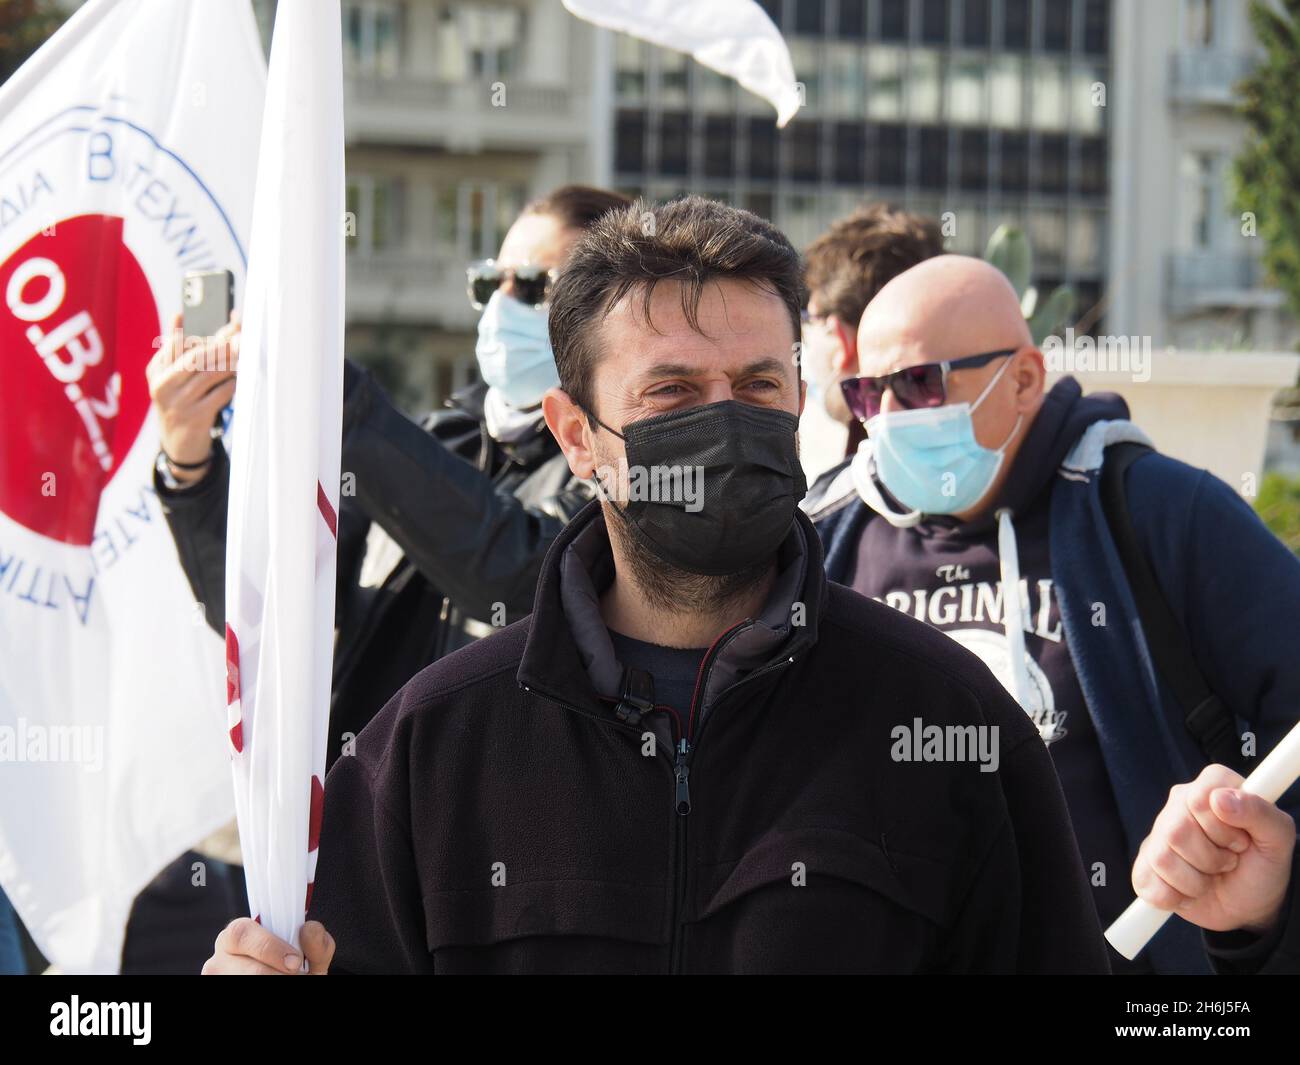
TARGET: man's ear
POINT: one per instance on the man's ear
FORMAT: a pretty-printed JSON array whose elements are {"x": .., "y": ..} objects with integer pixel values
[
  {"x": 568, "y": 424},
  {"x": 1030, "y": 374},
  {"x": 845, "y": 359}
]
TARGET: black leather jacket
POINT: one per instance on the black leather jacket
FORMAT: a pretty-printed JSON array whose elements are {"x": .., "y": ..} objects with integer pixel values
[{"x": 441, "y": 535}]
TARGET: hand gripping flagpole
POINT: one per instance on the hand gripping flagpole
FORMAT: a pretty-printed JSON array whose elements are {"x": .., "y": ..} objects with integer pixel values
[{"x": 1137, "y": 925}]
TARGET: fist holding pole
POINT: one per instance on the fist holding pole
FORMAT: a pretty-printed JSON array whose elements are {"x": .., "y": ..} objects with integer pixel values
[{"x": 1219, "y": 853}]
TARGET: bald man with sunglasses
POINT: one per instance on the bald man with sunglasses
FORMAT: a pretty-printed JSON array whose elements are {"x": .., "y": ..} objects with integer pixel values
[{"x": 974, "y": 478}]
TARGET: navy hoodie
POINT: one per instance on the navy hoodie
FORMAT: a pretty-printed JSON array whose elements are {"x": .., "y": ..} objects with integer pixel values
[{"x": 946, "y": 573}]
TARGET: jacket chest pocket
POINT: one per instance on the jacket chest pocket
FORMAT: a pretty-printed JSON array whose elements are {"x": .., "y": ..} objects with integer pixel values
[
  {"x": 549, "y": 926},
  {"x": 817, "y": 900}
]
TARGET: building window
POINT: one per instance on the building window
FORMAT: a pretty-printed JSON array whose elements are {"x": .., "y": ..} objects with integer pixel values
[
  {"x": 762, "y": 149},
  {"x": 885, "y": 82},
  {"x": 1198, "y": 23},
  {"x": 372, "y": 34},
  {"x": 974, "y": 159},
  {"x": 1006, "y": 102},
  {"x": 1092, "y": 166},
  {"x": 1096, "y": 27},
  {"x": 975, "y": 23},
  {"x": 631, "y": 59},
  {"x": 713, "y": 91},
  {"x": 848, "y": 145},
  {"x": 925, "y": 86},
  {"x": 806, "y": 57},
  {"x": 629, "y": 142},
  {"x": 1056, "y": 26},
  {"x": 1046, "y": 232},
  {"x": 1083, "y": 253},
  {"x": 934, "y": 21},
  {"x": 478, "y": 42},
  {"x": 1050, "y": 96},
  {"x": 1053, "y": 163},
  {"x": 933, "y": 170},
  {"x": 808, "y": 16},
  {"x": 376, "y": 203},
  {"x": 760, "y": 203},
  {"x": 672, "y": 78},
  {"x": 853, "y": 19},
  {"x": 893, "y": 20},
  {"x": 804, "y": 162},
  {"x": 799, "y": 219},
  {"x": 1199, "y": 171},
  {"x": 674, "y": 143},
  {"x": 1086, "y": 114},
  {"x": 967, "y": 97},
  {"x": 719, "y": 146},
  {"x": 891, "y": 156},
  {"x": 1015, "y": 23},
  {"x": 846, "y": 80},
  {"x": 484, "y": 211},
  {"x": 1013, "y": 162}
]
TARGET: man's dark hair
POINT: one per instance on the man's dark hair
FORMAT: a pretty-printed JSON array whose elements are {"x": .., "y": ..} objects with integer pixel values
[
  {"x": 692, "y": 240},
  {"x": 577, "y": 206},
  {"x": 853, "y": 260}
]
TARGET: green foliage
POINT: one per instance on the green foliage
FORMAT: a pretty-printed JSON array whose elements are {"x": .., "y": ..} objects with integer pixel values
[
  {"x": 1279, "y": 505},
  {"x": 1266, "y": 176},
  {"x": 1008, "y": 249},
  {"x": 24, "y": 27}
]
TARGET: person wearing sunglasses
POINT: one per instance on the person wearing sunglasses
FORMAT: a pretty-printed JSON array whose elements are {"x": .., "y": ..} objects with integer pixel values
[
  {"x": 443, "y": 532},
  {"x": 844, "y": 268},
  {"x": 974, "y": 478}
]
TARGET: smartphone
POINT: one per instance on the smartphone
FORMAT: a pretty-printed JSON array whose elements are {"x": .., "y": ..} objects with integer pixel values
[{"x": 206, "y": 302}]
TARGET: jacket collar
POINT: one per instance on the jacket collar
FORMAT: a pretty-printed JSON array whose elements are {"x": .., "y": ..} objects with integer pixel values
[{"x": 569, "y": 656}]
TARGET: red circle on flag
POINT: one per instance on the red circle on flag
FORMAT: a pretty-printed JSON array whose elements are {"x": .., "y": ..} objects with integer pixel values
[{"x": 78, "y": 326}]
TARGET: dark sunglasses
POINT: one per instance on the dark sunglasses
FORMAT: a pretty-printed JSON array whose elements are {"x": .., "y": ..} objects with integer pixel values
[
  {"x": 914, "y": 387},
  {"x": 531, "y": 283}
]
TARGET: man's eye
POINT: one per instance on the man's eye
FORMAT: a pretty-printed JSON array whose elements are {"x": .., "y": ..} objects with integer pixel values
[
  {"x": 763, "y": 385},
  {"x": 668, "y": 390}
]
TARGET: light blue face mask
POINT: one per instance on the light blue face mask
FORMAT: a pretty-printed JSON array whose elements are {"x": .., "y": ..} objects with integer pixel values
[
  {"x": 514, "y": 351},
  {"x": 929, "y": 459}
]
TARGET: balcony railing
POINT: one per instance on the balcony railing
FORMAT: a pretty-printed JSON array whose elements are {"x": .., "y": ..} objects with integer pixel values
[
  {"x": 1205, "y": 280},
  {"x": 465, "y": 115},
  {"x": 405, "y": 286},
  {"x": 1207, "y": 75}
]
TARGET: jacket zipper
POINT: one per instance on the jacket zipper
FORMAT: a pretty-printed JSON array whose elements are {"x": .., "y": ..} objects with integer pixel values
[
  {"x": 681, "y": 777},
  {"x": 682, "y": 795}
]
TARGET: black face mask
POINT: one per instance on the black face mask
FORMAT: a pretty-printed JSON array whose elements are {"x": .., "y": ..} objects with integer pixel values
[{"x": 751, "y": 482}]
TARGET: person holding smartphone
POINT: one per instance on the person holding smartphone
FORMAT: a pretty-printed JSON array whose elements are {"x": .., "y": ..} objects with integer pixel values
[{"x": 444, "y": 537}]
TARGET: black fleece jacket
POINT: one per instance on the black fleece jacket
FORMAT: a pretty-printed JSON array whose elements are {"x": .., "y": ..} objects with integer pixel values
[{"x": 498, "y": 817}]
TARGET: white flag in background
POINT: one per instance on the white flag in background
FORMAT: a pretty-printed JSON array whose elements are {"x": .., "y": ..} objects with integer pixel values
[
  {"x": 127, "y": 148},
  {"x": 733, "y": 37},
  {"x": 284, "y": 485}
]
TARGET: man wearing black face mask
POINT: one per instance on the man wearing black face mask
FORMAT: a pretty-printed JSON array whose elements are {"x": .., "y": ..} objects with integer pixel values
[{"x": 673, "y": 765}]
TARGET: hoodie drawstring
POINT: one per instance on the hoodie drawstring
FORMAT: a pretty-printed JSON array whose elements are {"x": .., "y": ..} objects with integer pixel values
[{"x": 1012, "y": 616}]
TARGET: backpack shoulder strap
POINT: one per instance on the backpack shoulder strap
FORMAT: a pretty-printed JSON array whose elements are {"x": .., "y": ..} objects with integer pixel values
[{"x": 1209, "y": 721}]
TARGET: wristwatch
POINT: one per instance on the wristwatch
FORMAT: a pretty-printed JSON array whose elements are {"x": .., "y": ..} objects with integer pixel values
[{"x": 164, "y": 468}]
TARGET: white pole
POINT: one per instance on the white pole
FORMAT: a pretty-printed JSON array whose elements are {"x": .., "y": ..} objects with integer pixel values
[{"x": 1135, "y": 927}]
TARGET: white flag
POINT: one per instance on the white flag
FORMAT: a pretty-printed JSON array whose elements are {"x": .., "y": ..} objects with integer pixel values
[
  {"x": 127, "y": 147},
  {"x": 284, "y": 485},
  {"x": 733, "y": 37}
]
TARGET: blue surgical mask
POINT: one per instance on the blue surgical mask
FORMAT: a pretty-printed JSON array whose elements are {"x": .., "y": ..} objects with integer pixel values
[
  {"x": 514, "y": 351},
  {"x": 929, "y": 459}
]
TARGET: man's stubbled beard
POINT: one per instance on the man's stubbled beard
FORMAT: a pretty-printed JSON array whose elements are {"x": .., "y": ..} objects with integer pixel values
[{"x": 665, "y": 586}]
